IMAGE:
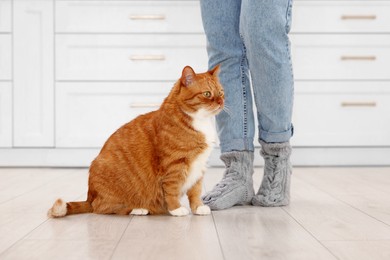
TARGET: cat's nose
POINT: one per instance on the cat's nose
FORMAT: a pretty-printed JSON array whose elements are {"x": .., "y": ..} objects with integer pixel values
[{"x": 220, "y": 101}]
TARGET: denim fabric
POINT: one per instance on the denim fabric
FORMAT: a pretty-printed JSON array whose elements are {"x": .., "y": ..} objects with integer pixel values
[{"x": 248, "y": 38}]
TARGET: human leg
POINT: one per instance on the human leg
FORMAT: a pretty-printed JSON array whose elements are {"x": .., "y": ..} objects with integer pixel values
[
  {"x": 264, "y": 26},
  {"x": 275, "y": 186},
  {"x": 235, "y": 124},
  {"x": 236, "y": 186}
]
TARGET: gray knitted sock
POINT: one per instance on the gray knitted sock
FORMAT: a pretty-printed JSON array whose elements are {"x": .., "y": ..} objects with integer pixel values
[
  {"x": 236, "y": 186},
  {"x": 275, "y": 187}
]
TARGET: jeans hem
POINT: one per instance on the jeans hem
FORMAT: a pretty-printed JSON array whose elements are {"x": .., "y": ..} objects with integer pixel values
[{"x": 280, "y": 137}]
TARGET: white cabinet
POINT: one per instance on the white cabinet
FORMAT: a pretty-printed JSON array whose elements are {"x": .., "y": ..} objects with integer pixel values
[
  {"x": 5, "y": 74},
  {"x": 349, "y": 114},
  {"x": 341, "y": 58},
  {"x": 33, "y": 83},
  {"x": 5, "y": 15},
  {"x": 128, "y": 57},
  {"x": 88, "y": 113},
  {"x": 5, "y": 54},
  {"x": 341, "y": 17},
  {"x": 73, "y": 71},
  {"x": 128, "y": 17},
  {"x": 5, "y": 114},
  {"x": 118, "y": 59}
]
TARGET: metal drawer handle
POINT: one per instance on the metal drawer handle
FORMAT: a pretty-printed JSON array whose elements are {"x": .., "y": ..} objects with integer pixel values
[
  {"x": 358, "y": 17},
  {"x": 144, "y": 105},
  {"x": 147, "y": 57},
  {"x": 147, "y": 17},
  {"x": 366, "y": 58},
  {"x": 358, "y": 104}
]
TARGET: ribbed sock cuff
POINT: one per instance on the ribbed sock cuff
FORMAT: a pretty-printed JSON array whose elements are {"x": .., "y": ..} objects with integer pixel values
[{"x": 276, "y": 149}]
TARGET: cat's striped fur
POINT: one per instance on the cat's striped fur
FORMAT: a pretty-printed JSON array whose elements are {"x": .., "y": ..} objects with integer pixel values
[{"x": 149, "y": 163}]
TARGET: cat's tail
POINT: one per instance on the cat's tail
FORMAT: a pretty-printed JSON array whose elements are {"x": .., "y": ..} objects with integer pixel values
[{"x": 62, "y": 209}]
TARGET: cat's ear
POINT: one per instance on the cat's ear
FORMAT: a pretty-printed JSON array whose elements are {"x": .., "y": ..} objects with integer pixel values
[
  {"x": 215, "y": 70},
  {"x": 187, "y": 76}
]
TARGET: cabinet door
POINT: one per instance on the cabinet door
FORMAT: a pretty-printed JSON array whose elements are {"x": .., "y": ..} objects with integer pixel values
[
  {"x": 5, "y": 57},
  {"x": 5, "y": 16},
  {"x": 88, "y": 113},
  {"x": 341, "y": 57},
  {"x": 336, "y": 114},
  {"x": 33, "y": 73},
  {"x": 128, "y": 17},
  {"x": 341, "y": 17},
  {"x": 128, "y": 57},
  {"x": 5, "y": 114}
]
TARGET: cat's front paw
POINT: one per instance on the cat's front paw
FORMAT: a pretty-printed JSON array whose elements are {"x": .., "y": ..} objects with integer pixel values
[
  {"x": 203, "y": 210},
  {"x": 179, "y": 212}
]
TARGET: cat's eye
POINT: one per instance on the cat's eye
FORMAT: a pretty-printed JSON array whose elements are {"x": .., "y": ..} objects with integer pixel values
[
  {"x": 220, "y": 94},
  {"x": 207, "y": 94}
]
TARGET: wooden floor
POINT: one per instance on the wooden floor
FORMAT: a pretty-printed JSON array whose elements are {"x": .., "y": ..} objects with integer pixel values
[{"x": 335, "y": 213}]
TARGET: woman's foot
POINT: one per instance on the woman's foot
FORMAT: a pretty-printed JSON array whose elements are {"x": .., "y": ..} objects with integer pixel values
[
  {"x": 275, "y": 187},
  {"x": 236, "y": 186}
]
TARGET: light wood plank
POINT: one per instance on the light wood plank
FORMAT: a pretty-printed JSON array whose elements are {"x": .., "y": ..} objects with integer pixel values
[
  {"x": 376, "y": 204},
  {"x": 355, "y": 250},
  {"x": 65, "y": 249},
  {"x": 249, "y": 232},
  {"x": 15, "y": 182},
  {"x": 335, "y": 213},
  {"x": 330, "y": 219},
  {"x": 351, "y": 181},
  {"x": 82, "y": 227},
  {"x": 24, "y": 213},
  {"x": 13, "y": 227},
  {"x": 363, "y": 188},
  {"x": 69, "y": 187},
  {"x": 167, "y": 237}
]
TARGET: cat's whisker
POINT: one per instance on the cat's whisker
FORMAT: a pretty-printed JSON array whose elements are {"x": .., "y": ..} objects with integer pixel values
[{"x": 227, "y": 110}]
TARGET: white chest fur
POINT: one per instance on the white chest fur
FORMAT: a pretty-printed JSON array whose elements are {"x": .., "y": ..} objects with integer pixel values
[{"x": 203, "y": 123}]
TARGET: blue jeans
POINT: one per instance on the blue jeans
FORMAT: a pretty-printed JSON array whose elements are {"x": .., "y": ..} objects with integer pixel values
[{"x": 248, "y": 38}]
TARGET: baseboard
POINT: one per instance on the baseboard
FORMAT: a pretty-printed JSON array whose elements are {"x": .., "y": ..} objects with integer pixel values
[
  {"x": 301, "y": 156},
  {"x": 46, "y": 157}
]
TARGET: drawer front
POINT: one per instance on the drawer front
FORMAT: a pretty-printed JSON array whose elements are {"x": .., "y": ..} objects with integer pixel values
[
  {"x": 342, "y": 117},
  {"x": 128, "y": 16},
  {"x": 5, "y": 114},
  {"x": 341, "y": 17},
  {"x": 5, "y": 15},
  {"x": 5, "y": 60},
  {"x": 128, "y": 57},
  {"x": 341, "y": 57},
  {"x": 88, "y": 113}
]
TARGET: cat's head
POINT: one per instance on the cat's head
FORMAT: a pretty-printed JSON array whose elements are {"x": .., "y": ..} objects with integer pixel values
[{"x": 201, "y": 93}]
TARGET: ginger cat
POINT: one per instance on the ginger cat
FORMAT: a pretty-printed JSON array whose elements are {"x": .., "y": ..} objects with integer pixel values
[{"x": 149, "y": 163}]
